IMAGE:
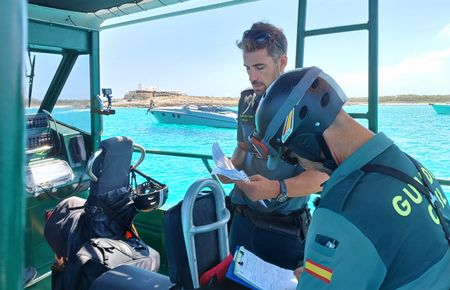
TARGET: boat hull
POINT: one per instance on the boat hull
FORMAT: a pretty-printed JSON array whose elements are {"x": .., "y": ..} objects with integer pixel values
[
  {"x": 441, "y": 108},
  {"x": 189, "y": 117}
]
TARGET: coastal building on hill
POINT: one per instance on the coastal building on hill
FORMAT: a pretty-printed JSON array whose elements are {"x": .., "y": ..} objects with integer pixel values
[{"x": 146, "y": 93}]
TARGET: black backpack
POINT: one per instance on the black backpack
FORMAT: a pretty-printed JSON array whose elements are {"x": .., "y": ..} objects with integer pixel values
[{"x": 99, "y": 255}]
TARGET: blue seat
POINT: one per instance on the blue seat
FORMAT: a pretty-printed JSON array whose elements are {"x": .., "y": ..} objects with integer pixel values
[{"x": 129, "y": 277}]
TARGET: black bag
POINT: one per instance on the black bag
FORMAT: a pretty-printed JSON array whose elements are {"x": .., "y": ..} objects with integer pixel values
[
  {"x": 206, "y": 244},
  {"x": 97, "y": 256},
  {"x": 110, "y": 213},
  {"x": 64, "y": 230}
]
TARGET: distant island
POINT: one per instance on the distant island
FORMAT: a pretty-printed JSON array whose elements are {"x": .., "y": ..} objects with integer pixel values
[
  {"x": 178, "y": 99},
  {"x": 405, "y": 99}
]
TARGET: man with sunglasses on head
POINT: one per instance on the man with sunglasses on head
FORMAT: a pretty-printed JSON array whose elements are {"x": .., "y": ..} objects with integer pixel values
[{"x": 270, "y": 214}]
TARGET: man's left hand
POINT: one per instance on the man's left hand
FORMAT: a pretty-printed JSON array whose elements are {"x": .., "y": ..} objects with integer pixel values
[{"x": 259, "y": 188}]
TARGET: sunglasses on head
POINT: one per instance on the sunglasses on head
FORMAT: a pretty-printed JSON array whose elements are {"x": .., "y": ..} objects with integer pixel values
[{"x": 261, "y": 39}]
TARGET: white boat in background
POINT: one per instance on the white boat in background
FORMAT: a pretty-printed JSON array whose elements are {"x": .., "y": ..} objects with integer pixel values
[{"x": 212, "y": 116}]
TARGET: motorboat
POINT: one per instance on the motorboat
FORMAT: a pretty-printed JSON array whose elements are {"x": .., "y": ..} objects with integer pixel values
[
  {"x": 212, "y": 116},
  {"x": 441, "y": 108}
]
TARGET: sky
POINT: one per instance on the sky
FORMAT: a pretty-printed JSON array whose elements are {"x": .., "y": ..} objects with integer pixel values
[{"x": 197, "y": 53}]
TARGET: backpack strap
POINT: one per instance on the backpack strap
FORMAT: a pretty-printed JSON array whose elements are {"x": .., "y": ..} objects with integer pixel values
[{"x": 424, "y": 188}]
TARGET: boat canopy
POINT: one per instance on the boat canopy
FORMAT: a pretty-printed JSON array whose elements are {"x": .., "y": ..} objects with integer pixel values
[
  {"x": 84, "y": 5},
  {"x": 93, "y": 14}
]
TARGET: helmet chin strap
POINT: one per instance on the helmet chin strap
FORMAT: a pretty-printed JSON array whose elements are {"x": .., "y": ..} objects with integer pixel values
[
  {"x": 313, "y": 148},
  {"x": 328, "y": 161}
]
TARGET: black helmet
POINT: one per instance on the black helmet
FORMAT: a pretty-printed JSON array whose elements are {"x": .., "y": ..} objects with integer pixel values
[
  {"x": 149, "y": 195},
  {"x": 293, "y": 114}
]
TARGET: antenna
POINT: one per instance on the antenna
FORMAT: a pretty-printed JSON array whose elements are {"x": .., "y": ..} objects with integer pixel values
[{"x": 31, "y": 77}]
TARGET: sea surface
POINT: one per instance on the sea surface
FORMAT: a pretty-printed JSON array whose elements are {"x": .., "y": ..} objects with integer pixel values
[{"x": 416, "y": 129}]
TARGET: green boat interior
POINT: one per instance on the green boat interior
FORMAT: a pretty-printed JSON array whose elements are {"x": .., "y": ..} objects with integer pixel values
[{"x": 56, "y": 155}]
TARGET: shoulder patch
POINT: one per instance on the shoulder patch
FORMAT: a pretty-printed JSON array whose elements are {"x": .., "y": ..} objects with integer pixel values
[
  {"x": 288, "y": 126},
  {"x": 319, "y": 271}
]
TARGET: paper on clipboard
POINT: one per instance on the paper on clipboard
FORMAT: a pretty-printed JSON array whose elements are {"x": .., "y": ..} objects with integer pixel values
[{"x": 258, "y": 273}]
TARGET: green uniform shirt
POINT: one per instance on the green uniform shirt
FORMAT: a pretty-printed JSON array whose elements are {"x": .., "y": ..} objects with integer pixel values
[{"x": 373, "y": 231}]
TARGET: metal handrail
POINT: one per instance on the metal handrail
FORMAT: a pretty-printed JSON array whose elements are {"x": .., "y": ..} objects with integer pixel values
[
  {"x": 444, "y": 181},
  {"x": 206, "y": 157},
  {"x": 203, "y": 157}
]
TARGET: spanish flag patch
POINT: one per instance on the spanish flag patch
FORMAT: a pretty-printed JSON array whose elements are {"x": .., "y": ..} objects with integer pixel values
[{"x": 323, "y": 273}]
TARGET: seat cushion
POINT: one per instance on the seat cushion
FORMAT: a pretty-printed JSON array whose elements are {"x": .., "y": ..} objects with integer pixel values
[{"x": 129, "y": 277}]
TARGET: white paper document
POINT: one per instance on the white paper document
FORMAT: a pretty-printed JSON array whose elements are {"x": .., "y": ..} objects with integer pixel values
[
  {"x": 224, "y": 166},
  {"x": 261, "y": 274}
]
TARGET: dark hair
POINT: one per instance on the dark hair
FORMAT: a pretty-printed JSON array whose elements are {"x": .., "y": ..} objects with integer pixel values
[{"x": 264, "y": 35}]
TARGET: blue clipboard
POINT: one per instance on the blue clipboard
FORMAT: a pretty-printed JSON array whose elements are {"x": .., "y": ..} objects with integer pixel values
[{"x": 230, "y": 273}]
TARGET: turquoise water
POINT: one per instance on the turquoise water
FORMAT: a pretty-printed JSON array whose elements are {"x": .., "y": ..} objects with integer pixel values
[{"x": 418, "y": 130}]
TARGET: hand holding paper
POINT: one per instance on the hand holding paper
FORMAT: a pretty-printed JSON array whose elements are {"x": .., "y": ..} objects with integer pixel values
[{"x": 224, "y": 166}]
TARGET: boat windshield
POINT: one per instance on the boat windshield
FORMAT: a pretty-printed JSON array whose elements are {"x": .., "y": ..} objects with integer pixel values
[
  {"x": 39, "y": 69},
  {"x": 210, "y": 109},
  {"x": 74, "y": 96}
]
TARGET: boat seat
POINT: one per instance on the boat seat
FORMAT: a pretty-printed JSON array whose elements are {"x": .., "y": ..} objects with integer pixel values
[
  {"x": 195, "y": 233},
  {"x": 74, "y": 221},
  {"x": 129, "y": 277},
  {"x": 186, "y": 244}
]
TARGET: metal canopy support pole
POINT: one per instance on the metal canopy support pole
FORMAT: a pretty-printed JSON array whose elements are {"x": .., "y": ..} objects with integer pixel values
[
  {"x": 12, "y": 191},
  {"x": 94, "y": 70},
  {"x": 301, "y": 23},
  {"x": 373, "y": 66},
  {"x": 59, "y": 80},
  {"x": 372, "y": 27}
]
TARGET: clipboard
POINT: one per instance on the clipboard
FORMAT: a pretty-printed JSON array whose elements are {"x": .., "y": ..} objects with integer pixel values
[
  {"x": 230, "y": 273},
  {"x": 255, "y": 273}
]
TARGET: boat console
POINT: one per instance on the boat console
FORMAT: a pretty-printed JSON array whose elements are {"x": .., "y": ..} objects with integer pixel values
[{"x": 55, "y": 157}]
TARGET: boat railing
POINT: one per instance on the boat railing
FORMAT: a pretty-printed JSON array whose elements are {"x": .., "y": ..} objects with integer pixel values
[
  {"x": 206, "y": 157},
  {"x": 203, "y": 157}
]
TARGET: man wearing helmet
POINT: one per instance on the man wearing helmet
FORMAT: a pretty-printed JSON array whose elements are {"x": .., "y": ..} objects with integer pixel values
[
  {"x": 383, "y": 221},
  {"x": 270, "y": 211}
]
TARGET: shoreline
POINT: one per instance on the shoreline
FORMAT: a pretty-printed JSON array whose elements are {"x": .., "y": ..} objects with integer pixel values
[
  {"x": 173, "y": 101},
  {"x": 138, "y": 104},
  {"x": 181, "y": 100}
]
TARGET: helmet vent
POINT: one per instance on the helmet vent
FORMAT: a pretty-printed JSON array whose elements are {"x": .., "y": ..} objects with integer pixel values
[
  {"x": 325, "y": 100},
  {"x": 303, "y": 112},
  {"x": 315, "y": 84}
]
